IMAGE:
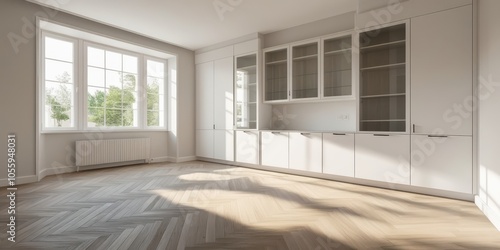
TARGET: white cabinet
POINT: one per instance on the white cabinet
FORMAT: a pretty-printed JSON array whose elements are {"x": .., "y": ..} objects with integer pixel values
[
  {"x": 223, "y": 93},
  {"x": 306, "y": 152},
  {"x": 247, "y": 147},
  {"x": 337, "y": 73},
  {"x": 383, "y": 158},
  {"x": 338, "y": 154},
  {"x": 442, "y": 162},
  {"x": 274, "y": 148},
  {"x": 205, "y": 143},
  {"x": 276, "y": 74},
  {"x": 223, "y": 144},
  {"x": 441, "y": 72},
  {"x": 305, "y": 70},
  {"x": 214, "y": 109},
  {"x": 204, "y": 95}
]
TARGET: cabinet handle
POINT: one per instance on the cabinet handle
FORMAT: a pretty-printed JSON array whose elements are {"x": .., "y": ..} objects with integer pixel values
[
  {"x": 380, "y": 135},
  {"x": 246, "y": 131},
  {"x": 276, "y": 133},
  {"x": 437, "y": 136},
  {"x": 338, "y": 134},
  {"x": 414, "y": 128},
  {"x": 305, "y": 133}
]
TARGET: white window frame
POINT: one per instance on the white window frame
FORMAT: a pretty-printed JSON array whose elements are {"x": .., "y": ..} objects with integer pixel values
[
  {"x": 76, "y": 82},
  {"x": 80, "y": 90}
]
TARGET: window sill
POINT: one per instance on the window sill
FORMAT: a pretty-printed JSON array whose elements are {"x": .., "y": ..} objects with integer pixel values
[{"x": 48, "y": 132}]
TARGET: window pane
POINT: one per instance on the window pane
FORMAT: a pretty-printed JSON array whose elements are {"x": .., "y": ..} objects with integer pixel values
[
  {"x": 129, "y": 99},
  {"x": 113, "y": 117},
  {"x": 96, "y": 97},
  {"x": 58, "y": 71},
  {"x": 58, "y": 49},
  {"x": 95, "y": 117},
  {"x": 95, "y": 57},
  {"x": 130, "y": 64},
  {"x": 113, "y": 60},
  {"x": 130, "y": 82},
  {"x": 129, "y": 117},
  {"x": 155, "y": 85},
  {"x": 113, "y": 79},
  {"x": 153, "y": 118},
  {"x": 153, "y": 102},
  {"x": 156, "y": 69},
  {"x": 95, "y": 77},
  {"x": 58, "y": 105}
]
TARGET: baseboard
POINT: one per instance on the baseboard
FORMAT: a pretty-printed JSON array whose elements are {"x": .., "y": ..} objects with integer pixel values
[
  {"x": 181, "y": 159},
  {"x": 55, "y": 171},
  {"x": 19, "y": 180},
  {"x": 160, "y": 159},
  {"x": 491, "y": 214}
]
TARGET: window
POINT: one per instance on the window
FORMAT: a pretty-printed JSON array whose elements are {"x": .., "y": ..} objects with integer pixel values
[
  {"x": 112, "y": 86},
  {"x": 58, "y": 83},
  {"x": 125, "y": 90}
]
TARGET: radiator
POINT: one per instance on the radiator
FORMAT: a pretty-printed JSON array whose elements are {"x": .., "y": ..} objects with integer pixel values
[{"x": 96, "y": 152}]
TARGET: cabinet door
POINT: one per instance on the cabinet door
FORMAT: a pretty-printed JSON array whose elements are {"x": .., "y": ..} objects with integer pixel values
[
  {"x": 205, "y": 95},
  {"x": 338, "y": 154},
  {"x": 223, "y": 93},
  {"x": 441, "y": 72},
  {"x": 306, "y": 152},
  {"x": 247, "y": 147},
  {"x": 224, "y": 145},
  {"x": 274, "y": 147},
  {"x": 205, "y": 143},
  {"x": 305, "y": 71},
  {"x": 276, "y": 75},
  {"x": 383, "y": 158},
  {"x": 442, "y": 163}
]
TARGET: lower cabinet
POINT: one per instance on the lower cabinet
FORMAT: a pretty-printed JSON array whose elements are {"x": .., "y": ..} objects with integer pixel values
[
  {"x": 215, "y": 144},
  {"x": 338, "y": 154},
  {"x": 442, "y": 162},
  {"x": 224, "y": 145},
  {"x": 247, "y": 147},
  {"x": 274, "y": 148},
  {"x": 205, "y": 143},
  {"x": 383, "y": 157},
  {"x": 306, "y": 152}
]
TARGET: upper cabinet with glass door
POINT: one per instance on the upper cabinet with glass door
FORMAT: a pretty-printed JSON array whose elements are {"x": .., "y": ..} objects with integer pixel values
[
  {"x": 383, "y": 80},
  {"x": 337, "y": 67},
  {"x": 305, "y": 71},
  {"x": 246, "y": 92},
  {"x": 276, "y": 75}
]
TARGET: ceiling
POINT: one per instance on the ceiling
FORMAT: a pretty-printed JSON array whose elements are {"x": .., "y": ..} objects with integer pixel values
[{"x": 194, "y": 24}]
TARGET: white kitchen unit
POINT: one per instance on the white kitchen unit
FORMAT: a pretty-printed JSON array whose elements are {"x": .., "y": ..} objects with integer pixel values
[
  {"x": 383, "y": 83},
  {"x": 305, "y": 70},
  {"x": 337, "y": 67},
  {"x": 204, "y": 95},
  {"x": 338, "y": 154},
  {"x": 205, "y": 143},
  {"x": 246, "y": 91},
  {"x": 383, "y": 157},
  {"x": 247, "y": 147},
  {"x": 443, "y": 163},
  {"x": 214, "y": 105},
  {"x": 305, "y": 151},
  {"x": 223, "y": 93},
  {"x": 442, "y": 72},
  {"x": 224, "y": 144},
  {"x": 274, "y": 149},
  {"x": 276, "y": 74}
]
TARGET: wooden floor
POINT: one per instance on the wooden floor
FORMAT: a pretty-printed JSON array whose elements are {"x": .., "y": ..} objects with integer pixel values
[{"x": 200, "y": 205}]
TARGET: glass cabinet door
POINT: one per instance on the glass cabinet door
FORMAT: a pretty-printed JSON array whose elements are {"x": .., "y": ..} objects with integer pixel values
[
  {"x": 337, "y": 66},
  {"x": 305, "y": 71},
  {"x": 383, "y": 80},
  {"x": 276, "y": 76},
  {"x": 246, "y": 92}
]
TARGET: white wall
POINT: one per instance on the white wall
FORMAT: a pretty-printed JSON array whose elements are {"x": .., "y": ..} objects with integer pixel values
[
  {"x": 19, "y": 81},
  {"x": 489, "y": 109}
]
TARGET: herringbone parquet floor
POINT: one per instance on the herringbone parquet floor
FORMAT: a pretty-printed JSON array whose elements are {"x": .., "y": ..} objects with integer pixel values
[{"x": 200, "y": 205}]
